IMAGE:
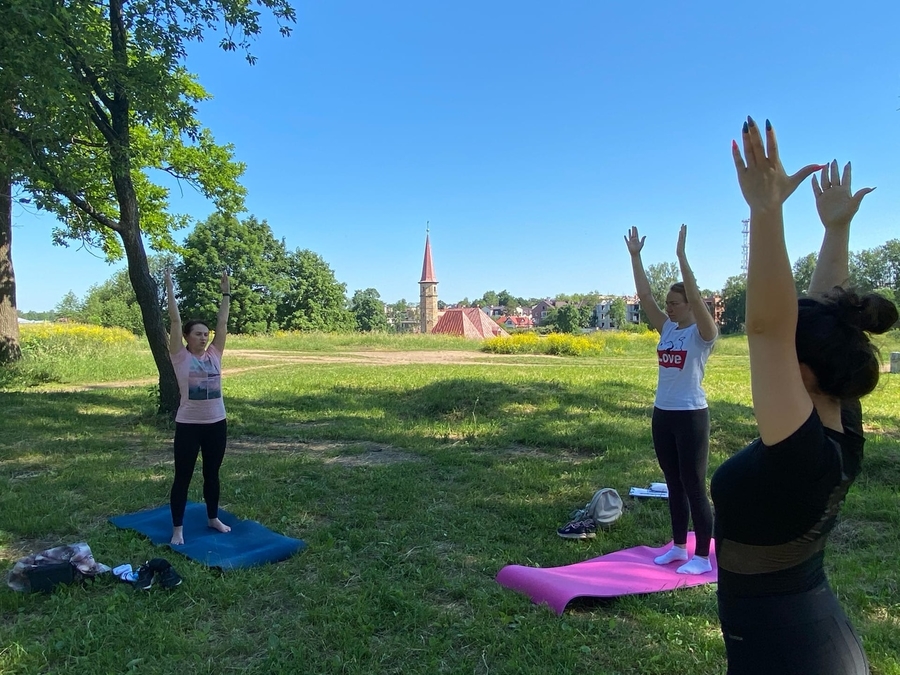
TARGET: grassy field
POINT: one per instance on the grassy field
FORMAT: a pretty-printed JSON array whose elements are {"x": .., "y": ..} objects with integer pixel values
[{"x": 413, "y": 484}]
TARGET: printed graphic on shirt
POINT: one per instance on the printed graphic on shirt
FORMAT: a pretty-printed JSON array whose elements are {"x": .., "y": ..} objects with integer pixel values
[
  {"x": 672, "y": 354},
  {"x": 204, "y": 380}
]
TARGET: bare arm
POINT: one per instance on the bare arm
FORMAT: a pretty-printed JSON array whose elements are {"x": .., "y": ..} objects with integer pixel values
[
  {"x": 175, "y": 343},
  {"x": 706, "y": 324},
  {"x": 836, "y": 205},
  {"x": 780, "y": 400},
  {"x": 635, "y": 243},
  {"x": 222, "y": 320}
]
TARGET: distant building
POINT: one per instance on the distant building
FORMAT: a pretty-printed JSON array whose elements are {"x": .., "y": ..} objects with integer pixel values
[
  {"x": 515, "y": 321},
  {"x": 540, "y": 311},
  {"x": 428, "y": 300},
  {"x": 716, "y": 307},
  {"x": 470, "y": 322},
  {"x": 601, "y": 311}
]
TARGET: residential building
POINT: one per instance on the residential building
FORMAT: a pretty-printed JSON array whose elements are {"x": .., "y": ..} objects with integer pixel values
[{"x": 540, "y": 311}]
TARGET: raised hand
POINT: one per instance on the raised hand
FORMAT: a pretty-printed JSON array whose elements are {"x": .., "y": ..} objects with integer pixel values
[
  {"x": 835, "y": 202},
  {"x": 763, "y": 180},
  {"x": 225, "y": 283},
  {"x": 634, "y": 241},
  {"x": 682, "y": 239}
]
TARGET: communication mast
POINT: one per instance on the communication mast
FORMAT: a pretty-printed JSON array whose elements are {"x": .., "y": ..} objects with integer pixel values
[{"x": 745, "y": 248}]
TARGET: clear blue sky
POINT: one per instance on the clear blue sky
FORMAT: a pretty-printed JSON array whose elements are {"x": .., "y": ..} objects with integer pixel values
[{"x": 531, "y": 135}]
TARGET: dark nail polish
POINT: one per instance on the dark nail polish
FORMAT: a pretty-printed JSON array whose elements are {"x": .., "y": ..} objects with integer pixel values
[
  {"x": 768, "y": 125},
  {"x": 745, "y": 127},
  {"x": 751, "y": 122}
]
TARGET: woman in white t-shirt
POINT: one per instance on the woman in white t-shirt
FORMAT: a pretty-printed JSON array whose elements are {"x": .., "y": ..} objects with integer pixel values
[
  {"x": 200, "y": 426},
  {"x": 680, "y": 414}
]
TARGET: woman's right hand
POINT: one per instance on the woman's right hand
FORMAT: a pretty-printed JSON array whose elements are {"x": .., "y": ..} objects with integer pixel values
[
  {"x": 634, "y": 241},
  {"x": 763, "y": 180}
]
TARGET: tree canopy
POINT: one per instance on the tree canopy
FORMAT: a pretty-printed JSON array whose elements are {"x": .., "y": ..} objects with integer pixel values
[
  {"x": 97, "y": 106},
  {"x": 368, "y": 309},
  {"x": 734, "y": 298},
  {"x": 618, "y": 312},
  {"x": 271, "y": 289}
]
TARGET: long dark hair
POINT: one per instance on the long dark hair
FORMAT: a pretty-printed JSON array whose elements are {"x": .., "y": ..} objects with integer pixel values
[{"x": 833, "y": 341}]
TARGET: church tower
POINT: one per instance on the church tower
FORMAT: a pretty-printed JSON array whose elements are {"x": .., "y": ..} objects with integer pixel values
[{"x": 428, "y": 307}]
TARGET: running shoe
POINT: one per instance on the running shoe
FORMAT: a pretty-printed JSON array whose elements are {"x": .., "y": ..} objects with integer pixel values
[
  {"x": 578, "y": 529},
  {"x": 169, "y": 578},
  {"x": 144, "y": 579}
]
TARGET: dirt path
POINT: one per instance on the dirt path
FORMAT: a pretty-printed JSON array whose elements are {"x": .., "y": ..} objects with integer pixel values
[{"x": 373, "y": 358}]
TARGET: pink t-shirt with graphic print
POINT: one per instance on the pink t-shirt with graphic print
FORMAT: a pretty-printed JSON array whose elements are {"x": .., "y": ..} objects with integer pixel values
[
  {"x": 200, "y": 381},
  {"x": 682, "y": 356}
]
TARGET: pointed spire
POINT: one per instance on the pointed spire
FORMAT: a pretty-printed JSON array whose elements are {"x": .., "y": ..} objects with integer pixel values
[{"x": 427, "y": 265}]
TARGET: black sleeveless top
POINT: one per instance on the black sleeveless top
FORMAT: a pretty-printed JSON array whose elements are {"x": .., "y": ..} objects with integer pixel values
[{"x": 776, "y": 505}]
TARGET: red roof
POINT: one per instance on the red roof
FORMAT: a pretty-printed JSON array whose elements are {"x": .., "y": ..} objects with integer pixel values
[
  {"x": 470, "y": 322},
  {"x": 427, "y": 265},
  {"x": 517, "y": 321}
]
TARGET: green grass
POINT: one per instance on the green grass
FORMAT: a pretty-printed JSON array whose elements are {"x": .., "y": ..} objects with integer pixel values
[{"x": 413, "y": 485}]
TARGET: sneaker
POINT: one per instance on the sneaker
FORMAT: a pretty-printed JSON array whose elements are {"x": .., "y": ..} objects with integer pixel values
[
  {"x": 578, "y": 529},
  {"x": 144, "y": 579},
  {"x": 169, "y": 578}
]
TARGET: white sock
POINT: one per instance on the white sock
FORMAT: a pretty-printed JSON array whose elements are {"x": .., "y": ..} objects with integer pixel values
[
  {"x": 697, "y": 565},
  {"x": 674, "y": 554}
]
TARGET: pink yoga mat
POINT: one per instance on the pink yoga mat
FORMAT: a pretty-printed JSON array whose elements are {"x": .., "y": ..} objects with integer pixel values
[{"x": 627, "y": 572}]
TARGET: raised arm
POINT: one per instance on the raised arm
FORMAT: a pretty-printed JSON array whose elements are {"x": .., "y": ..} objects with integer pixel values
[
  {"x": 706, "y": 324},
  {"x": 780, "y": 400},
  {"x": 222, "y": 320},
  {"x": 175, "y": 343},
  {"x": 836, "y": 205},
  {"x": 635, "y": 243}
]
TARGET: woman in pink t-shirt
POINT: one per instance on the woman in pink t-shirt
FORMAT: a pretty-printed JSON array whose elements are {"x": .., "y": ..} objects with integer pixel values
[{"x": 200, "y": 426}]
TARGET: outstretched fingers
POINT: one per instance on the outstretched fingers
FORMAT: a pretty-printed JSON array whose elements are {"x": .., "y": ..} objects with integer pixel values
[
  {"x": 835, "y": 174},
  {"x": 771, "y": 143},
  {"x": 738, "y": 159},
  {"x": 753, "y": 143},
  {"x": 817, "y": 191},
  {"x": 802, "y": 175},
  {"x": 858, "y": 197}
]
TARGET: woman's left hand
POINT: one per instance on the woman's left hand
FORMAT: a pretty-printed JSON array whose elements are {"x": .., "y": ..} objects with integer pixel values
[
  {"x": 763, "y": 180},
  {"x": 225, "y": 284},
  {"x": 835, "y": 202}
]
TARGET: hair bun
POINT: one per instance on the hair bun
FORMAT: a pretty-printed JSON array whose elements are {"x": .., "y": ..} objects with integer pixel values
[
  {"x": 870, "y": 312},
  {"x": 876, "y": 313}
]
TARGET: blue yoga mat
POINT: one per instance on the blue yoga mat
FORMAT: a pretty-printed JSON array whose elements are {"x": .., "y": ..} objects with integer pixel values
[{"x": 247, "y": 545}]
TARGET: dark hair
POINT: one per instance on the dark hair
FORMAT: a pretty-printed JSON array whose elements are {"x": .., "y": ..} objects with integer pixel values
[
  {"x": 189, "y": 326},
  {"x": 679, "y": 288},
  {"x": 832, "y": 340}
]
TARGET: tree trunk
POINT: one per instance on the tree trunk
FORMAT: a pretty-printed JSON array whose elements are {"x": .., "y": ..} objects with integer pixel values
[
  {"x": 129, "y": 226},
  {"x": 9, "y": 318},
  {"x": 148, "y": 299}
]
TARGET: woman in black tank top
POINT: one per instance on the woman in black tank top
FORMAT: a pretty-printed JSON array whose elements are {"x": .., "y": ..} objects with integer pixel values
[{"x": 777, "y": 499}]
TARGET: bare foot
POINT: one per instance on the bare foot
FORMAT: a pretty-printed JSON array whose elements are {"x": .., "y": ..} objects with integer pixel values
[
  {"x": 217, "y": 524},
  {"x": 177, "y": 536}
]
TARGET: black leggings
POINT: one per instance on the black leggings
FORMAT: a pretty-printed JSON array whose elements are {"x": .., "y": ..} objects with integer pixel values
[
  {"x": 789, "y": 634},
  {"x": 681, "y": 441},
  {"x": 208, "y": 439}
]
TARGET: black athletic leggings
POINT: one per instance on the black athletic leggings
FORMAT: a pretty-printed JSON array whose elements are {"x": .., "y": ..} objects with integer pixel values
[
  {"x": 208, "y": 439},
  {"x": 681, "y": 441},
  {"x": 790, "y": 634}
]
